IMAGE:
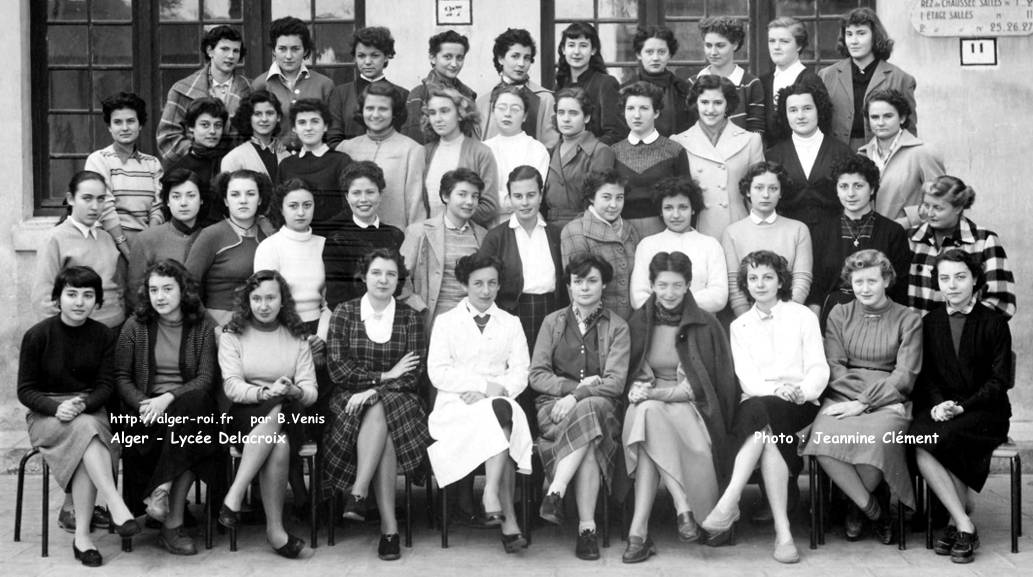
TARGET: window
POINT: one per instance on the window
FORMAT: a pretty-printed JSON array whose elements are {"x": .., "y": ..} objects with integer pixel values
[
  {"x": 332, "y": 24},
  {"x": 683, "y": 17},
  {"x": 615, "y": 20},
  {"x": 822, "y": 21}
]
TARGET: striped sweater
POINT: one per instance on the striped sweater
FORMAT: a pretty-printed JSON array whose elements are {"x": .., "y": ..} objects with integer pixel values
[{"x": 134, "y": 188}]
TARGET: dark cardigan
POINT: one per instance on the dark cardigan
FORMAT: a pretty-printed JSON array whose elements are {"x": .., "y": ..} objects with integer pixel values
[
  {"x": 501, "y": 243},
  {"x": 607, "y": 124},
  {"x": 135, "y": 366},
  {"x": 810, "y": 200},
  {"x": 706, "y": 358},
  {"x": 772, "y": 134}
]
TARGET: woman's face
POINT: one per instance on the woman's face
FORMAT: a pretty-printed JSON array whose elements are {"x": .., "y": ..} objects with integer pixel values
[
  {"x": 298, "y": 208},
  {"x": 956, "y": 283},
  {"x": 310, "y": 128},
  {"x": 608, "y": 202},
  {"x": 570, "y": 119},
  {"x": 185, "y": 202},
  {"x": 763, "y": 283},
  {"x": 718, "y": 50},
  {"x": 802, "y": 114},
  {"x": 509, "y": 114},
  {"x": 869, "y": 286},
  {"x": 712, "y": 107},
  {"x": 587, "y": 291},
  {"x": 370, "y": 61},
  {"x": 461, "y": 202},
  {"x": 884, "y": 119},
  {"x": 578, "y": 52},
  {"x": 940, "y": 213},
  {"x": 676, "y": 212},
  {"x": 855, "y": 194},
  {"x": 377, "y": 113},
  {"x": 449, "y": 60},
  {"x": 382, "y": 278},
  {"x": 859, "y": 41},
  {"x": 526, "y": 199},
  {"x": 782, "y": 47},
  {"x": 76, "y": 303},
  {"x": 443, "y": 116},
  {"x": 166, "y": 296},
  {"x": 266, "y": 301},
  {"x": 482, "y": 287},
  {"x": 364, "y": 199},
  {"x": 289, "y": 53},
  {"x": 654, "y": 55},
  {"x": 242, "y": 200},
  {"x": 765, "y": 192},
  {"x": 264, "y": 119},
  {"x": 640, "y": 115},
  {"x": 87, "y": 201},
  {"x": 670, "y": 288}
]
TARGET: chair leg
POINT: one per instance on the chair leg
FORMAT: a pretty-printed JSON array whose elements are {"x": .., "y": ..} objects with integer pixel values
[
  {"x": 209, "y": 517},
  {"x": 1016, "y": 502},
  {"x": 430, "y": 503},
  {"x": 232, "y": 464},
  {"x": 408, "y": 511},
  {"x": 812, "y": 488},
  {"x": 927, "y": 497},
  {"x": 45, "y": 546},
  {"x": 21, "y": 494},
  {"x": 443, "y": 497},
  {"x": 605, "y": 497},
  {"x": 902, "y": 542},
  {"x": 824, "y": 494},
  {"x": 525, "y": 505},
  {"x": 313, "y": 500},
  {"x": 331, "y": 524}
]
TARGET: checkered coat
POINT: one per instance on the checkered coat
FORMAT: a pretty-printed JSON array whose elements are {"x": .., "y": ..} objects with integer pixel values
[
  {"x": 173, "y": 143},
  {"x": 589, "y": 234}
]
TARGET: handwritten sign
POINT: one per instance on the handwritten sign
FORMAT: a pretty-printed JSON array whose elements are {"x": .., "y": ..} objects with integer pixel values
[
  {"x": 973, "y": 17},
  {"x": 455, "y": 12}
]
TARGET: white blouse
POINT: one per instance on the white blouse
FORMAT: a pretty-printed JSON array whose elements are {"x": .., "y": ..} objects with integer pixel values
[{"x": 378, "y": 325}]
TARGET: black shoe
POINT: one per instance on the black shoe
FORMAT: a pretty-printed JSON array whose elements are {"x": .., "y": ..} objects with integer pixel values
[
  {"x": 854, "y": 523},
  {"x": 354, "y": 508},
  {"x": 66, "y": 520},
  {"x": 946, "y": 542},
  {"x": 101, "y": 518},
  {"x": 638, "y": 549},
  {"x": 587, "y": 545},
  {"x": 514, "y": 543},
  {"x": 964, "y": 548},
  {"x": 228, "y": 517},
  {"x": 292, "y": 548},
  {"x": 388, "y": 549},
  {"x": 552, "y": 509},
  {"x": 127, "y": 529},
  {"x": 884, "y": 528},
  {"x": 89, "y": 557}
]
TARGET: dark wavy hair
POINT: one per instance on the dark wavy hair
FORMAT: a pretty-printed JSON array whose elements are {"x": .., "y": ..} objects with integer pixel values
[
  {"x": 78, "y": 277},
  {"x": 221, "y": 184},
  {"x": 450, "y": 179},
  {"x": 310, "y": 105},
  {"x": 820, "y": 95},
  {"x": 776, "y": 262},
  {"x": 280, "y": 192},
  {"x": 715, "y": 82},
  {"x": 506, "y": 40},
  {"x": 643, "y": 88},
  {"x": 241, "y": 120},
  {"x": 677, "y": 262},
  {"x": 362, "y": 169},
  {"x": 469, "y": 117},
  {"x": 596, "y": 180},
  {"x": 583, "y": 263},
  {"x": 387, "y": 254},
  {"x": 242, "y": 314},
  {"x": 672, "y": 186},
  {"x": 399, "y": 113},
  {"x": 212, "y": 37},
  {"x": 970, "y": 261},
  {"x": 207, "y": 105},
  {"x": 447, "y": 37},
  {"x": 731, "y": 28},
  {"x": 378, "y": 37},
  {"x": 124, "y": 101},
  {"x": 660, "y": 32},
  {"x": 584, "y": 30},
  {"x": 882, "y": 44},
  {"x": 290, "y": 26},
  {"x": 174, "y": 178},
  {"x": 190, "y": 294},
  {"x": 763, "y": 167},
  {"x": 894, "y": 98},
  {"x": 868, "y": 258},
  {"x": 470, "y": 263},
  {"x": 857, "y": 164},
  {"x": 952, "y": 189}
]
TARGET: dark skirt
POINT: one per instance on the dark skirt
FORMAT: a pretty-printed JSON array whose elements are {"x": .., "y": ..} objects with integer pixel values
[
  {"x": 406, "y": 423},
  {"x": 592, "y": 418},
  {"x": 964, "y": 444},
  {"x": 783, "y": 417},
  {"x": 532, "y": 310}
]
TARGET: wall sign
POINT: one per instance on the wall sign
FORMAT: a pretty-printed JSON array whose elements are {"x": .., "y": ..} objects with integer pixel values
[
  {"x": 972, "y": 17},
  {"x": 455, "y": 12}
]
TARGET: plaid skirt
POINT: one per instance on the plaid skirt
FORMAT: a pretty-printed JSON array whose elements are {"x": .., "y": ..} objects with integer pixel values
[
  {"x": 592, "y": 418},
  {"x": 532, "y": 310},
  {"x": 406, "y": 423}
]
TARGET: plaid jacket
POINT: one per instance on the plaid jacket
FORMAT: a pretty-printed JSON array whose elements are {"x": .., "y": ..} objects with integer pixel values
[
  {"x": 173, "y": 143},
  {"x": 589, "y": 234},
  {"x": 922, "y": 293}
]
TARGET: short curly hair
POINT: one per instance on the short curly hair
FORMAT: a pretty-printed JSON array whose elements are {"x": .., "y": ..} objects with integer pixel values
[
  {"x": 387, "y": 254},
  {"x": 447, "y": 37},
  {"x": 764, "y": 167},
  {"x": 596, "y": 180},
  {"x": 517, "y": 91},
  {"x": 190, "y": 293},
  {"x": 659, "y": 32},
  {"x": 242, "y": 118},
  {"x": 469, "y": 117},
  {"x": 952, "y": 189},
  {"x": 970, "y": 261},
  {"x": 821, "y": 99},
  {"x": 221, "y": 185},
  {"x": 868, "y": 258},
  {"x": 582, "y": 263},
  {"x": 882, "y": 44},
  {"x": 290, "y": 26},
  {"x": 310, "y": 105},
  {"x": 776, "y": 262},
  {"x": 362, "y": 169},
  {"x": 124, "y": 101},
  {"x": 243, "y": 315},
  {"x": 857, "y": 164},
  {"x": 212, "y": 38},
  {"x": 508, "y": 39},
  {"x": 672, "y": 186},
  {"x": 894, "y": 98},
  {"x": 646, "y": 89},
  {"x": 471, "y": 263},
  {"x": 378, "y": 37},
  {"x": 715, "y": 82},
  {"x": 731, "y": 28},
  {"x": 399, "y": 113}
]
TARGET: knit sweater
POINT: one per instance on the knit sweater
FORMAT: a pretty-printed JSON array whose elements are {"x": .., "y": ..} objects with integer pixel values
[
  {"x": 403, "y": 161},
  {"x": 786, "y": 237},
  {"x": 299, "y": 258},
  {"x": 173, "y": 142},
  {"x": 170, "y": 240},
  {"x": 220, "y": 261},
  {"x": 473, "y": 154},
  {"x": 418, "y": 97},
  {"x": 677, "y": 114},
  {"x": 344, "y": 105},
  {"x": 323, "y": 174},
  {"x": 344, "y": 249},
  {"x": 134, "y": 202},
  {"x": 256, "y": 358},
  {"x": 205, "y": 162},
  {"x": 709, "y": 274},
  {"x": 751, "y": 111},
  {"x": 643, "y": 165},
  {"x": 57, "y": 359}
]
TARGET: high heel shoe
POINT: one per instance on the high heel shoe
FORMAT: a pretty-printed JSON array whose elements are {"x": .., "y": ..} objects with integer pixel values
[
  {"x": 89, "y": 557},
  {"x": 688, "y": 529},
  {"x": 514, "y": 543},
  {"x": 228, "y": 517},
  {"x": 720, "y": 532},
  {"x": 127, "y": 529},
  {"x": 292, "y": 548}
]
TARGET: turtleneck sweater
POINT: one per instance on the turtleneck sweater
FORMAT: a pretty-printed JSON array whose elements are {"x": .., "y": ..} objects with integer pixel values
[{"x": 298, "y": 256}]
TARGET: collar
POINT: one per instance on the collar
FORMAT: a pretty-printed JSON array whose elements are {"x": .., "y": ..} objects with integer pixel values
[
  {"x": 965, "y": 310},
  {"x": 87, "y": 231},
  {"x": 812, "y": 140},
  {"x": 362, "y": 225},
  {"x": 616, "y": 225},
  {"x": 649, "y": 139},
  {"x": 274, "y": 70},
  {"x": 756, "y": 219},
  {"x": 508, "y": 82},
  {"x": 867, "y": 70},
  {"x": 763, "y": 316},
  {"x": 464, "y": 305},
  {"x": 134, "y": 153},
  {"x": 295, "y": 235},
  {"x": 366, "y": 311},
  {"x": 318, "y": 152},
  {"x": 273, "y": 144},
  {"x": 735, "y": 76},
  {"x": 963, "y": 233},
  {"x": 794, "y": 69},
  {"x": 451, "y": 226},
  {"x": 514, "y": 222},
  {"x": 211, "y": 77},
  {"x": 371, "y": 80}
]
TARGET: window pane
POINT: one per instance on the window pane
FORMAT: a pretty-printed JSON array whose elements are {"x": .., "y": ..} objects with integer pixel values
[
  {"x": 690, "y": 45},
  {"x": 297, "y": 8},
  {"x": 618, "y": 8},
  {"x": 61, "y": 171},
  {"x": 181, "y": 10},
  {"x": 574, "y": 10},
  {"x": 728, "y": 7},
  {"x": 333, "y": 42},
  {"x": 828, "y": 33},
  {"x": 67, "y": 45},
  {"x": 222, "y": 9},
  {"x": 66, "y": 10},
  {"x": 808, "y": 53},
  {"x": 70, "y": 133},
  {"x": 112, "y": 45},
  {"x": 794, "y": 8},
  {"x": 836, "y": 7},
  {"x": 101, "y": 136},
  {"x": 338, "y": 9},
  {"x": 684, "y": 8},
  {"x": 616, "y": 42},
  {"x": 112, "y": 9},
  {"x": 170, "y": 77},
  {"x": 623, "y": 74},
  {"x": 109, "y": 82},
  {"x": 179, "y": 45},
  {"x": 70, "y": 89}
]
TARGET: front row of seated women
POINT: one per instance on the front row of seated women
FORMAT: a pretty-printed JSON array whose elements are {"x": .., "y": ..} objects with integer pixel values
[{"x": 689, "y": 422}]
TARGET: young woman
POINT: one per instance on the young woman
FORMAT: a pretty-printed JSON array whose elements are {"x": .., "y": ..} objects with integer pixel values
[
  {"x": 602, "y": 232},
  {"x": 947, "y": 227},
  {"x": 511, "y": 146},
  {"x": 722, "y": 37},
  {"x": 223, "y": 255},
  {"x": 804, "y": 111},
  {"x": 578, "y": 154},
  {"x": 905, "y": 163},
  {"x": 865, "y": 46},
  {"x": 79, "y": 241},
  {"x": 874, "y": 349},
  {"x": 165, "y": 368},
  {"x": 269, "y": 376},
  {"x": 654, "y": 47},
  {"x": 678, "y": 200},
  {"x": 787, "y": 39},
  {"x": 382, "y": 111},
  {"x": 682, "y": 394},
  {"x": 719, "y": 153},
  {"x": 377, "y": 428},
  {"x": 257, "y": 121},
  {"x": 579, "y": 367},
  {"x": 65, "y": 379},
  {"x": 781, "y": 366},
  {"x": 644, "y": 157},
  {"x": 206, "y": 121},
  {"x": 449, "y": 120},
  {"x": 767, "y": 229},
  {"x": 478, "y": 363},
  {"x": 961, "y": 397},
  {"x": 580, "y": 65}
]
